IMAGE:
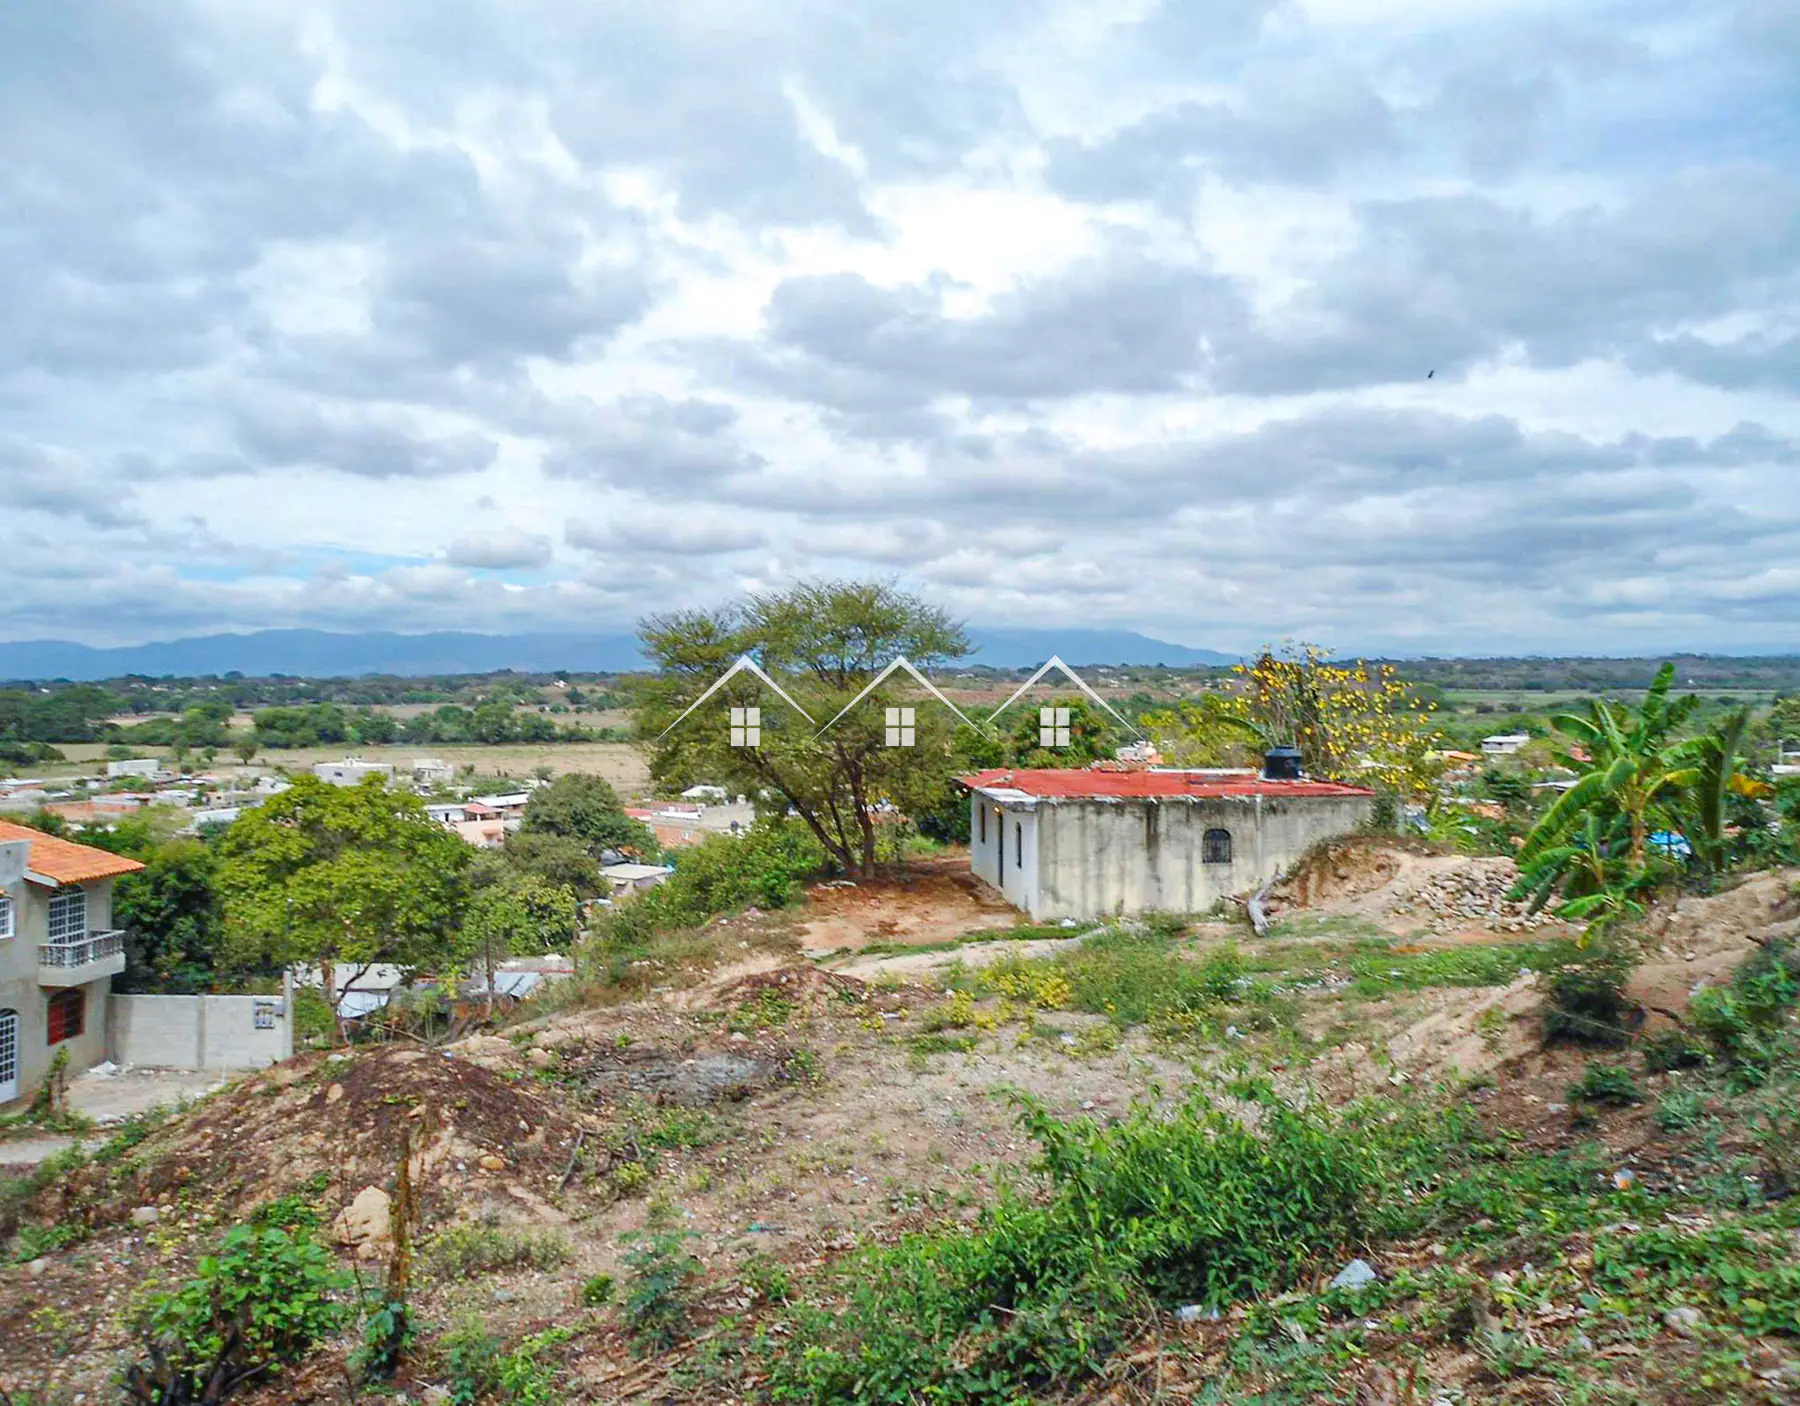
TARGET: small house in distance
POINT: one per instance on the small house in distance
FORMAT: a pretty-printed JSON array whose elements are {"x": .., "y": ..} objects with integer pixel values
[
  {"x": 1504, "y": 744},
  {"x": 351, "y": 771},
  {"x": 1094, "y": 843}
]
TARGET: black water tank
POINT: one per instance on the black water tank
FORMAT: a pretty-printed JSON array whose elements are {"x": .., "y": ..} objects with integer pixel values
[{"x": 1282, "y": 764}]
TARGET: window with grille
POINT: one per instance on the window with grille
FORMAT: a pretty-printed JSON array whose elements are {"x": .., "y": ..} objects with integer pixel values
[
  {"x": 899, "y": 727},
  {"x": 9, "y": 1054},
  {"x": 746, "y": 727},
  {"x": 1215, "y": 847},
  {"x": 1053, "y": 727},
  {"x": 6, "y": 916},
  {"x": 68, "y": 915},
  {"x": 66, "y": 1014},
  {"x": 1018, "y": 844},
  {"x": 981, "y": 815}
]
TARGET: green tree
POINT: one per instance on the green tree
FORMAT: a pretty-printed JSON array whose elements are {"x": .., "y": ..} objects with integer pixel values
[
  {"x": 825, "y": 641},
  {"x": 1091, "y": 735},
  {"x": 583, "y": 807},
  {"x": 171, "y": 918},
  {"x": 558, "y": 860},
  {"x": 518, "y": 916},
  {"x": 341, "y": 876},
  {"x": 246, "y": 748}
]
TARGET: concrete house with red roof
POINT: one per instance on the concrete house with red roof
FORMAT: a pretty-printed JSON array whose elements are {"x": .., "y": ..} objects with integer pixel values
[
  {"x": 1098, "y": 843},
  {"x": 58, "y": 954}
]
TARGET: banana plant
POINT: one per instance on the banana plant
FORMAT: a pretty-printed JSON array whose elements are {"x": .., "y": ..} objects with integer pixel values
[
  {"x": 1709, "y": 778},
  {"x": 1633, "y": 766},
  {"x": 1591, "y": 873}
]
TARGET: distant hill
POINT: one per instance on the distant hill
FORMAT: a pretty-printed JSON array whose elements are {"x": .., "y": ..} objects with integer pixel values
[
  {"x": 1018, "y": 649},
  {"x": 320, "y": 654}
]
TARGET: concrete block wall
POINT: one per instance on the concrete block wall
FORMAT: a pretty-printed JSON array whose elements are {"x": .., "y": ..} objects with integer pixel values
[
  {"x": 1095, "y": 859},
  {"x": 198, "y": 1032}
]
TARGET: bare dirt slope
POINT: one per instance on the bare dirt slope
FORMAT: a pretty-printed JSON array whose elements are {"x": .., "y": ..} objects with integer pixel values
[
  {"x": 1699, "y": 942},
  {"x": 935, "y": 900}
]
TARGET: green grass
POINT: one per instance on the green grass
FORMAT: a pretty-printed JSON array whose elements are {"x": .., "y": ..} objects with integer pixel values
[
  {"x": 1188, "y": 1206},
  {"x": 1023, "y": 932},
  {"x": 1377, "y": 970},
  {"x": 1313, "y": 925},
  {"x": 460, "y": 1250},
  {"x": 1135, "y": 979}
]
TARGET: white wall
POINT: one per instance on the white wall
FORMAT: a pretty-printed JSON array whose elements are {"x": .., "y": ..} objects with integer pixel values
[
  {"x": 1093, "y": 859},
  {"x": 198, "y": 1032}
]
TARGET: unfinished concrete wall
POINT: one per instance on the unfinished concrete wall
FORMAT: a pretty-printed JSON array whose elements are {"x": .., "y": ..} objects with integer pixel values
[
  {"x": 1094, "y": 859},
  {"x": 199, "y": 1032}
]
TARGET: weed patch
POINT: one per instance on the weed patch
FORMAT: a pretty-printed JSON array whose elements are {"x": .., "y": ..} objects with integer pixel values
[
  {"x": 461, "y": 1250},
  {"x": 1192, "y": 1206}
]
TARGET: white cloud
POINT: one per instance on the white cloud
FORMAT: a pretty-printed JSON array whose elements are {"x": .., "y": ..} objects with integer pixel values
[{"x": 321, "y": 315}]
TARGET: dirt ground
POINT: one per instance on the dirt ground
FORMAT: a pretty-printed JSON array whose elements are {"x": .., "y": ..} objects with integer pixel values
[
  {"x": 797, "y": 1101},
  {"x": 935, "y": 900},
  {"x": 111, "y": 1098}
]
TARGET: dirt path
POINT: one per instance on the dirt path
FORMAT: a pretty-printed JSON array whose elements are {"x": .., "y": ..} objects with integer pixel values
[
  {"x": 969, "y": 954},
  {"x": 28, "y": 1152}
]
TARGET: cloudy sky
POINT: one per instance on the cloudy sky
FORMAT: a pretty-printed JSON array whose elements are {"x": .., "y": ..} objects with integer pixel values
[{"x": 539, "y": 314}]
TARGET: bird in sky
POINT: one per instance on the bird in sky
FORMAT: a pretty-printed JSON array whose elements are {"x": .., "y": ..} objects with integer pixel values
[{"x": 1429, "y": 374}]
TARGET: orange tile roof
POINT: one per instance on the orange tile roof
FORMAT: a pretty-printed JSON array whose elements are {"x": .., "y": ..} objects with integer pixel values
[{"x": 64, "y": 860}]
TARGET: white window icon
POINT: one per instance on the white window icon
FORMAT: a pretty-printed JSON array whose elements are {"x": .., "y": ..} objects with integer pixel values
[
  {"x": 899, "y": 727},
  {"x": 1053, "y": 727},
  {"x": 746, "y": 727}
]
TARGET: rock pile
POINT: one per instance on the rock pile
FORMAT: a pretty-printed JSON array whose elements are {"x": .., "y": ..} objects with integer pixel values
[{"x": 1471, "y": 893}]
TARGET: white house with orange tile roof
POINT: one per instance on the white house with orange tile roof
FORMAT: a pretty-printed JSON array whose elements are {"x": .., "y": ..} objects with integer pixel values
[{"x": 59, "y": 953}]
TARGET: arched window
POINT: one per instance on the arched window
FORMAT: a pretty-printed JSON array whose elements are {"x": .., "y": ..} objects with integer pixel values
[
  {"x": 67, "y": 1015},
  {"x": 1018, "y": 844},
  {"x": 1215, "y": 848}
]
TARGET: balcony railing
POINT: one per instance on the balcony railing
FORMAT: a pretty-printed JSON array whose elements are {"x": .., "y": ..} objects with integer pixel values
[{"x": 82, "y": 958}]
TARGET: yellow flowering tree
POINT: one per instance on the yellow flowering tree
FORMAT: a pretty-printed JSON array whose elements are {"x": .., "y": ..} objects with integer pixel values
[{"x": 1351, "y": 722}]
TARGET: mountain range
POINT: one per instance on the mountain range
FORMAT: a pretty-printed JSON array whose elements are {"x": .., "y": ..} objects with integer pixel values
[{"x": 321, "y": 654}]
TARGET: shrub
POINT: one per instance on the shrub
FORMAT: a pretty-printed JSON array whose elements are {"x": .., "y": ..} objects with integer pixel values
[
  {"x": 764, "y": 867},
  {"x": 656, "y": 1307},
  {"x": 256, "y": 1306},
  {"x": 1744, "y": 1021},
  {"x": 1679, "y": 1109},
  {"x": 471, "y": 1362},
  {"x": 460, "y": 1250},
  {"x": 1608, "y": 1084},
  {"x": 597, "y": 1291},
  {"x": 1587, "y": 1002},
  {"x": 1195, "y": 1206},
  {"x": 1674, "y": 1049}
]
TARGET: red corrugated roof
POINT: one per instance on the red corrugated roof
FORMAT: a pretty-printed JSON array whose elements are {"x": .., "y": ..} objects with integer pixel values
[
  {"x": 1075, "y": 785},
  {"x": 64, "y": 860}
]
